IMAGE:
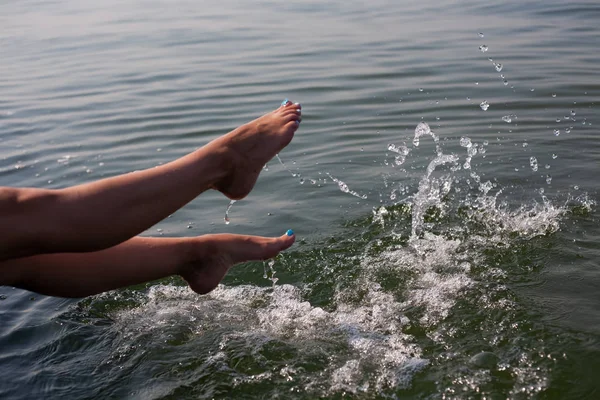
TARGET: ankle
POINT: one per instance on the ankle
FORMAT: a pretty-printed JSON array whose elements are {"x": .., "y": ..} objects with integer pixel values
[{"x": 214, "y": 161}]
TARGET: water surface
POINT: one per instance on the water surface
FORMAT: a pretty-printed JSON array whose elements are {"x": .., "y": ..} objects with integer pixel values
[{"x": 457, "y": 262}]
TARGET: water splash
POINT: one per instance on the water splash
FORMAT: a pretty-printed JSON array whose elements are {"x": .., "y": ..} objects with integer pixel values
[
  {"x": 226, "y": 218},
  {"x": 471, "y": 151},
  {"x": 423, "y": 129},
  {"x": 533, "y": 163},
  {"x": 285, "y": 166},
  {"x": 401, "y": 151},
  {"x": 270, "y": 265},
  {"x": 431, "y": 191},
  {"x": 344, "y": 188},
  {"x": 377, "y": 354},
  {"x": 509, "y": 118}
]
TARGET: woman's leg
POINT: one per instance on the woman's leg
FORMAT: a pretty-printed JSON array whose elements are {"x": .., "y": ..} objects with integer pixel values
[
  {"x": 101, "y": 214},
  {"x": 202, "y": 261}
]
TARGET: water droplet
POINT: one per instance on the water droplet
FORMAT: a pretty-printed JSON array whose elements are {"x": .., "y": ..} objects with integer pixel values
[
  {"x": 548, "y": 179},
  {"x": 505, "y": 82},
  {"x": 576, "y": 187},
  {"x": 547, "y": 166},
  {"x": 556, "y": 132},
  {"x": 498, "y": 67},
  {"x": 533, "y": 163},
  {"x": 508, "y": 118},
  {"x": 231, "y": 203},
  {"x": 422, "y": 129},
  {"x": 573, "y": 113},
  {"x": 483, "y": 48},
  {"x": 302, "y": 181},
  {"x": 480, "y": 34},
  {"x": 553, "y": 94},
  {"x": 484, "y": 105},
  {"x": 568, "y": 130},
  {"x": 465, "y": 142},
  {"x": 420, "y": 89},
  {"x": 2, "y": 297},
  {"x": 558, "y": 119},
  {"x": 532, "y": 90}
]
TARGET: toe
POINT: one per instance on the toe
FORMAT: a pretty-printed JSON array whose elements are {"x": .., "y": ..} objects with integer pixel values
[
  {"x": 276, "y": 245},
  {"x": 290, "y": 104},
  {"x": 292, "y": 126}
]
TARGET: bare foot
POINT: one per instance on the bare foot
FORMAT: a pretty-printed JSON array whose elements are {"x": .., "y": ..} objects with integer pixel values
[
  {"x": 248, "y": 148},
  {"x": 217, "y": 253}
]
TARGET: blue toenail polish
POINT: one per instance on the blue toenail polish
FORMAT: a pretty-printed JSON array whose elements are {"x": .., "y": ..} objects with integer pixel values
[
  {"x": 284, "y": 102},
  {"x": 290, "y": 232}
]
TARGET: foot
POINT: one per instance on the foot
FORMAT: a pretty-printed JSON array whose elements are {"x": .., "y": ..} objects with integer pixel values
[
  {"x": 215, "y": 254},
  {"x": 248, "y": 148}
]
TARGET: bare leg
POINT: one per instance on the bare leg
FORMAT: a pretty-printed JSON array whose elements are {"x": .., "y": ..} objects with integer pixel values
[
  {"x": 104, "y": 213},
  {"x": 203, "y": 261}
]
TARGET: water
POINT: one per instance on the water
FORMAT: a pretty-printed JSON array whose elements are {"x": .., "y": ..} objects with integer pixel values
[{"x": 442, "y": 251}]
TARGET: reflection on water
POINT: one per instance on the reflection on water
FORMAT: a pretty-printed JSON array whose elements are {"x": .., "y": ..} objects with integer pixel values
[{"x": 442, "y": 186}]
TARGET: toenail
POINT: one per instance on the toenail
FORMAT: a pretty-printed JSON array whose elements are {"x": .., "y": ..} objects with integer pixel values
[
  {"x": 296, "y": 104},
  {"x": 290, "y": 232},
  {"x": 285, "y": 102},
  {"x": 298, "y": 110}
]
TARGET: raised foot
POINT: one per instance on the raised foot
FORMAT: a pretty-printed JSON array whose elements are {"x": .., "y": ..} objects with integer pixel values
[
  {"x": 215, "y": 254},
  {"x": 248, "y": 148}
]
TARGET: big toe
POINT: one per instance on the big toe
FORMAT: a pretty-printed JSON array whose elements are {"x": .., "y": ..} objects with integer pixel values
[
  {"x": 262, "y": 248},
  {"x": 281, "y": 243}
]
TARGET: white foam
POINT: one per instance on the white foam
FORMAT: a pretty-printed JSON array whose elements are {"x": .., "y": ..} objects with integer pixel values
[{"x": 377, "y": 354}]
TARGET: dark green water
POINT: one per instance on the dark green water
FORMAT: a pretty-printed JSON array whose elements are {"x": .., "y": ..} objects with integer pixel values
[{"x": 462, "y": 267}]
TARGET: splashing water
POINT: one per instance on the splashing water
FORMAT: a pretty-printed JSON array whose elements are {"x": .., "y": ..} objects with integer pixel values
[
  {"x": 431, "y": 191},
  {"x": 509, "y": 118},
  {"x": 401, "y": 151},
  {"x": 285, "y": 166},
  {"x": 533, "y": 163},
  {"x": 344, "y": 188},
  {"x": 369, "y": 312},
  {"x": 271, "y": 268},
  {"x": 226, "y": 218}
]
